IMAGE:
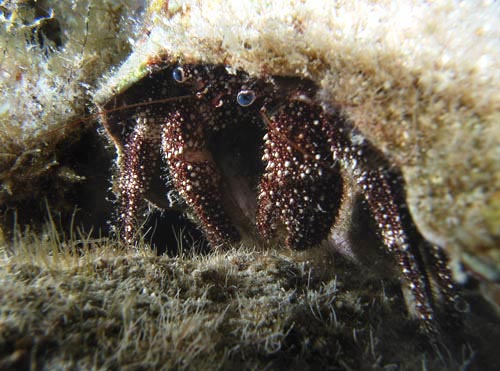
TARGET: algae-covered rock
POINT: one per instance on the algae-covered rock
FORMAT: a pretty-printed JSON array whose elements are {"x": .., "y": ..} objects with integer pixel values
[
  {"x": 419, "y": 79},
  {"x": 52, "y": 54},
  {"x": 98, "y": 305}
]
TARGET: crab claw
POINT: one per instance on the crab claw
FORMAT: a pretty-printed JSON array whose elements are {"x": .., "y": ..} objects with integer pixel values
[
  {"x": 194, "y": 172},
  {"x": 301, "y": 187}
]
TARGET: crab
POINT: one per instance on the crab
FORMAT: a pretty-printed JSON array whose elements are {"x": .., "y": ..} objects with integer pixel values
[{"x": 165, "y": 127}]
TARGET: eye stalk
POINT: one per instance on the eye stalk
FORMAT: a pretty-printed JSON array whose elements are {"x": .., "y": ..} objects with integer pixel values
[
  {"x": 245, "y": 97},
  {"x": 179, "y": 75}
]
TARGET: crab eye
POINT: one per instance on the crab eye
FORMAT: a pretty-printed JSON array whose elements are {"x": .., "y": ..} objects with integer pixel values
[
  {"x": 245, "y": 98},
  {"x": 179, "y": 75}
]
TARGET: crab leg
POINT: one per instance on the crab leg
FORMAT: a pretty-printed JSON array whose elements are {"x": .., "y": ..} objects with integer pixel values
[
  {"x": 453, "y": 300},
  {"x": 139, "y": 158},
  {"x": 301, "y": 187},
  {"x": 194, "y": 172},
  {"x": 354, "y": 153}
]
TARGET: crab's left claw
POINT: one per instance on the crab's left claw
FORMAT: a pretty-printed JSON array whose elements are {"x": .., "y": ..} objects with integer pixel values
[{"x": 301, "y": 187}]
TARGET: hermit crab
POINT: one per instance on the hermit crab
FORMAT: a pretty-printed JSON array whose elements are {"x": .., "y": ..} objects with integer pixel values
[{"x": 285, "y": 180}]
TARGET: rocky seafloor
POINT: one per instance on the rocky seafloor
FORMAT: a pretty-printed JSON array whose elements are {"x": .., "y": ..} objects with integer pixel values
[{"x": 93, "y": 304}]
